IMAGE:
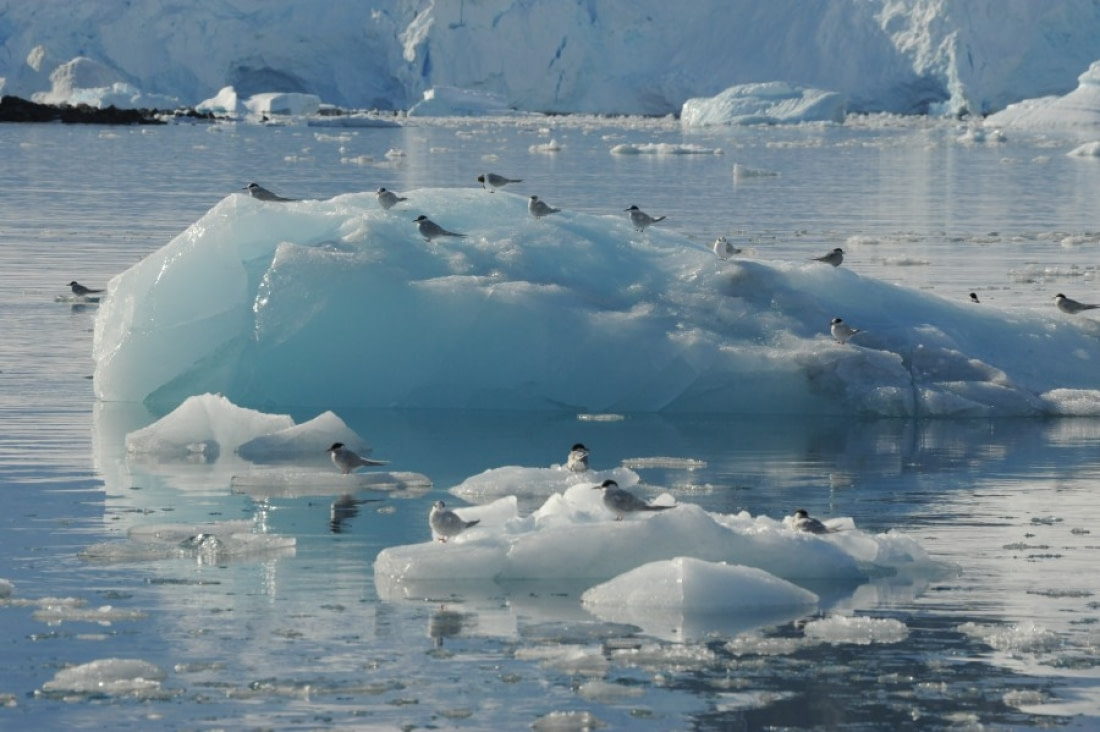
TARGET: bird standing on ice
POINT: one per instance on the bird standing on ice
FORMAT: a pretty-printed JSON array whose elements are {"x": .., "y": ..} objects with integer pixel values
[
  {"x": 492, "y": 181},
  {"x": 640, "y": 219},
  {"x": 446, "y": 523},
  {"x": 842, "y": 331},
  {"x": 723, "y": 249},
  {"x": 577, "y": 462},
  {"x": 1068, "y": 305},
  {"x": 623, "y": 502},
  {"x": 835, "y": 257},
  {"x": 81, "y": 291},
  {"x": 803, "y": 521},
  {"x": 388, "y": 199},
  {"x": 539, "y": 208},
  {"x": 257, "y": 191},
  {"x": 431, "y": 230},
  {"x": 348, "y": 460}
]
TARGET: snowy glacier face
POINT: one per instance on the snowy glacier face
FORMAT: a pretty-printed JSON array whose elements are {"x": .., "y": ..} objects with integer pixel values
[
  {"x": 338, "y": 304},
  {"x": 596, "y": 56}
]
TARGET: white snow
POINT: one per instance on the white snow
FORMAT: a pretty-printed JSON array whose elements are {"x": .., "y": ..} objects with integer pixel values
[
  {"x": 252, "y": 303},
  {"x": 900, "y": 56}
]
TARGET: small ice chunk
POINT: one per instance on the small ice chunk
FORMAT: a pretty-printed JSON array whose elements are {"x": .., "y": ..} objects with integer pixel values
[
  {"x": 859, "y": 630},
  {"x": 539, "y": 483},
  {"x": 112, "y": 676},
  {"x": 694, "y": 585},
  {"x": 306, "y": 440},
  {"x": 207, "y": 420}
]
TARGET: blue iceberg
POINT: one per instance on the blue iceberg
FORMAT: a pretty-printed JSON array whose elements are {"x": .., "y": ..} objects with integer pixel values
[{"x": 340, "y": 304}]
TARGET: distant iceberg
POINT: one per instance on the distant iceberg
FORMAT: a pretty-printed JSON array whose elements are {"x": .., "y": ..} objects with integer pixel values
[
  {"x": 447, "y": 101},
  {"x": 84, "y": 81},
  {"x": 1079, "y": 108},
  {"x": 770, "y": 103},
  {"x": 339, "y": 304},
  {"x": 227, "y": 103}
]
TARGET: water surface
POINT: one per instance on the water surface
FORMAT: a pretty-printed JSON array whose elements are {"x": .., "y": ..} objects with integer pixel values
[{"x": 1005, "y": 638}]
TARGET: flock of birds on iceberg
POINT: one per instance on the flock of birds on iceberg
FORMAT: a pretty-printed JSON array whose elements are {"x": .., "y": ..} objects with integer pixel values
[
  {"x": 444, "y": 522},
  {"x": 538, "y": 208}
]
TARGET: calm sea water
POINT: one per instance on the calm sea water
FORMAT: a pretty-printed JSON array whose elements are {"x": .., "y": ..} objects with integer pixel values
[{"x": 301, "y": 640}]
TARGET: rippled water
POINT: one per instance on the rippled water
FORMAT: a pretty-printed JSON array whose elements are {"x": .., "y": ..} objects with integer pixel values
[{"x": 1007, "y": 638}]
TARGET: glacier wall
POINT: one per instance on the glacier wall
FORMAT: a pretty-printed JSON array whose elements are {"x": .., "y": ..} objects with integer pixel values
[{"x": 595, "y": 56}]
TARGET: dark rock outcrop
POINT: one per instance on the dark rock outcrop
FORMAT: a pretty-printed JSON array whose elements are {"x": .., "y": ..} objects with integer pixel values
[{"x": 14, "y": 109}]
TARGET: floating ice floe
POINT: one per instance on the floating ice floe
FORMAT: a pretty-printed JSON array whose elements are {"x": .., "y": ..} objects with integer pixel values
[
  {"x": 553, "y": 146},
  {"x": 449, "y": 101},
  {"x": 574, "y": 539},
  {"x": 108, "y": 677},
  {"x": 743, "y": 173},
  {"x": 664, "y": 148},
  {"x": 56, "y": 613},
  {"x": 979, "y": 133},
  {"x": 287, "y": 104},
  {"x": 529, "y": 484},
  {"x": 227, "y": 103},
  {"x": 204, "y": 427},
  {"x": 774, "y": 102},
  {"x": 692, "y": 597},
  {"x": 857, "y": 630},
  {"x": 210, "y": 543}
]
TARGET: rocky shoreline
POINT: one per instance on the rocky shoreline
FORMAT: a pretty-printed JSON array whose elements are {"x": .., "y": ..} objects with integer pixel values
[{"x": 15, "y": 109}]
